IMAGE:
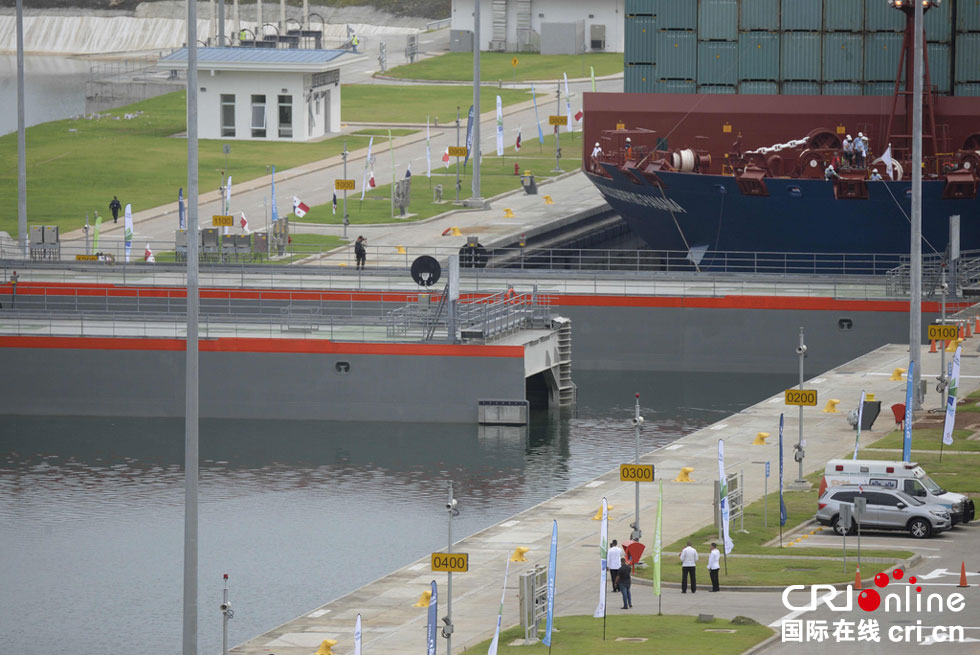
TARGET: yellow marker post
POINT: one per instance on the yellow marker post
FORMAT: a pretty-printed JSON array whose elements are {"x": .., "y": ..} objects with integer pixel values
[
  {"x": 519, "y": 553},
  {"x": 943, "y": 332},
  {"x": 343, "y": 185},
  {"x": 508, "y": 213},
  {"x": 451, "y": 562},
  {"x": 219, "y": 220},
  {"x": 801, "y": 397},
  {"x": 636, "y": 472},
  {"x": 548, "y": 200}
]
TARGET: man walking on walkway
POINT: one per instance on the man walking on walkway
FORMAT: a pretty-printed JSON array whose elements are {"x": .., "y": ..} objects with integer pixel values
[
  {"x": 115, "y": 206},
  {"x": 614, "y": 557},
  {"x": 714, "y": 564},
  {"x": 689, "y": 562}
]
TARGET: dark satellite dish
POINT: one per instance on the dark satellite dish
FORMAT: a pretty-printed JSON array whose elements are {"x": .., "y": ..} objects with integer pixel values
[
  {"x": 473, "y": 255},
  {"x": 426, "y": 271}
]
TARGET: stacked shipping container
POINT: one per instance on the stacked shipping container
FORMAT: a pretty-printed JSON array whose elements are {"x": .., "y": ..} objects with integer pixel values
[{"x": 805, "y": 47}]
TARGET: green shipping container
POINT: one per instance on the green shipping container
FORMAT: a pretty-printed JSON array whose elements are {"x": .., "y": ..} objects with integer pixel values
[
  {"x": 675, "y": 86},
  {"x": 802, "y": 15},
  {"x": 758, "y": 88},
  {"x": 799, "y": 55},
  {"x": 647, "y": 7},
  {"x": 968, "y": 57},
  {"x": 967, "y": 17},
  {"x": 716, "y": 89},
  {"x": 882, "y": 51},
  {"x": 717, "y": 62},
  {"x": 843, "y": 15},
  {"x": 677, "y": 55},
  {"x": 801, "y": 88},
  {"x": 843, "y": 89},
  {"x": 639, "y": 78},
  {"x": 758, "y": 56},
  {"x": 879, "y": 16},
  {"x": 717, "y": 20},
  {"x": 939, "y": 23},
  {"x": 677, "y": 14},
  {"x": 758, "y": 15},
  {"x": 641, "y": 39},
  {"x": 939, "y": 66},
  {"x": 880, "y": 88},
  {"x": 843, "y": 57},
  {"x": 972, "y": 90}
]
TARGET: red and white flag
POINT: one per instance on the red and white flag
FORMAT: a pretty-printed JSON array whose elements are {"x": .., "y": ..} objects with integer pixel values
[
  {"x": 445, "y": 157},
  {"x": 579, "y": 115},
  {"x": 517, "y": 146},
  {"x": 371, "y": 182},
  {"x": 148, "y": 255},
  {"x": 299, "y": 208},
  {"x": 334, "y": 202},
  {"x": 244, "y": 224}
]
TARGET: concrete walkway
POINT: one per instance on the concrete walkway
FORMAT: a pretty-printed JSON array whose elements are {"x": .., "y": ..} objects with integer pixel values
[{"x": 393, "y": 626}]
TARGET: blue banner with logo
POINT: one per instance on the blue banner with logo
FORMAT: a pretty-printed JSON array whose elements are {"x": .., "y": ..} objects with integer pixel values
[
  {"x": 181, "y": 216},
  {"x": 433, "y": 621},
  {"x": 552, "y": 568},
  {"x": 782, "y": 505},
  {"x": 469, "y": 136},
  {"x": 275, "y": 212},
  {"x": 907, "y": 442}
]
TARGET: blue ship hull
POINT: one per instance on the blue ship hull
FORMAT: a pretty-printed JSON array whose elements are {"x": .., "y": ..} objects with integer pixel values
[{"x": 798, "y": 215}]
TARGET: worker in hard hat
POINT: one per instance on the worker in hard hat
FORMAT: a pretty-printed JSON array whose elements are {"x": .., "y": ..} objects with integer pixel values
[{"x": 848, "y": 147}]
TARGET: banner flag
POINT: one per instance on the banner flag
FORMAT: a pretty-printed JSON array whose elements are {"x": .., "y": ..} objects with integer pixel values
[
  {"x": 181, "y": 216},
  {"x": 857, "y": 437},
  {"x": 275, "y": 212},
  {"x": 954, "y": 383},
  {"x": 782, "y": 506},
  {"x": 552, "y": 569},
  {"x": 333, "y": 203},
  {"x": 445, "y": 157},
  {"x": 148, "y": 255},
  {"x": 428, "y": 151},
  {"x": 500, "y": 128},
  {"x": 469, "y": 137},
  {"x": 500, "y": 613},
  {"x": 886, "y": 159},
  {"x": 227, "y": 211},
  {"x": 537, "y": 120},
  {"x": 592, "y": 75},
  {"x": 569, "y": 126},
  {"x": 129, "y": 229},
  {"x": 244, "y": 224},
  {"x": 723, "y": 497},
  {"x": 433, "y": 621},
  {"x": 517, "y": 146},
  {"x": 658, "y": 540},
  {"x": 600, "y": 610},
  {"x": 95, "y": 233},
  {"x": 907, "y": 441},
  {"x": 299, "y": 207},
  {"x": 367, "y": 162},
  {"x": 357, "y": 636}
]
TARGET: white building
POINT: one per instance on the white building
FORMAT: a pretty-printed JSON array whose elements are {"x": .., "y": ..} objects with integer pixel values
[
  {"x": 266, "y": 94},
  {"x": 553, "y": 26}
]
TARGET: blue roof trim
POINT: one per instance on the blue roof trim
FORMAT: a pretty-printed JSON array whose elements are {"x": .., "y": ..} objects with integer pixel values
[{"x": 256, "y": 56}]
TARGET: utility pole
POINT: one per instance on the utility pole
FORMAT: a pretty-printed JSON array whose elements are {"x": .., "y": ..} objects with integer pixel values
[
  {"x": 557, "y": 131},
  {"x": 637, "y": 422},
  {"x": 447, "y": 630},
  {"x": 457, "y": 158},
  {"x": 21, "y": 135},
  {"x": 915, "y": 299},
  {"x": 226, "y": 614},
  {"x": 476, "y": 102},
  {"x": 801, "y": 351},
  {"x": 942, "y": 379},
  {"x": 221, "y": 24},
  {"x": 346, "y": 215}
]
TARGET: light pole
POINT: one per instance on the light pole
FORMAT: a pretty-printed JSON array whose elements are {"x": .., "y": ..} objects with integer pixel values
[
  {"x": 637, "y": 422},
  {"x": 557, "y": 130},
  {"x": 799, "y": 454},
  {"x": 447, "y": 630},
  {"x": 346, "y": 216},
  {"x": 457, "y": 158},
  {"x": 226, "y": 614}
]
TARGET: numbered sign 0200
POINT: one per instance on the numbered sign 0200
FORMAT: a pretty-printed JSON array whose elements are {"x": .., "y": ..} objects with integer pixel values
[
  {"x": 636, "y": 472},
  {"x": 804, "y": 397},
  {"x": 452, "y": 562}
]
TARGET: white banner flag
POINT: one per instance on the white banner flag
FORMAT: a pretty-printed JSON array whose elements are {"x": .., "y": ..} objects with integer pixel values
[
  {"x": 357, "y": 636},
  {"x": 500, "y": 128},
  {"x": 886, "y": 159},
  {"x": 600, "y": 610},
  {"x": 500, "y": 613},
  {"x": 723, "y": 500},
  {"x": 569, "y": 126},
  {"x": 227, "y": 210},
  {"x": 128, "y": 229},
  {"x": 954, "y": 383},
  {"x": 367, "y": 163},
  {"x": 428, "y": 152}
]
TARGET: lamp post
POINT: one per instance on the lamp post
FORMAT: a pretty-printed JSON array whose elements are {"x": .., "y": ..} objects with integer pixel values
[{"x": 637, "y": 422}]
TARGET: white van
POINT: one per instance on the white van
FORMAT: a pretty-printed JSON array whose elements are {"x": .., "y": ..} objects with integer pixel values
[{"x": 903, "y": 476}]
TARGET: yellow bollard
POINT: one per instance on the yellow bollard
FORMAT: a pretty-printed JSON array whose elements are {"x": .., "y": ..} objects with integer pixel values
[
  {"x": 456, "y": 232},
  {"x": 519, "y": 552},
  {"x": 342, "y": 264},
  {"x": 548, "y": 200},
  {"x": 508, "y": 213},
  {"x": 598, "y": 513},
  {"x": 760, "y": 439},
  {"x": 831, "y": 407},
  {"x": 953, "y": 344},
  {"x": 400, "y": 250},
  {"x": 424, "y": 599},
  {"x": 870, "y": 397},
  {"x": 685, "y": 474},
  {"x": 897, "y": 375},
  {"x": 325, "y": 647}
]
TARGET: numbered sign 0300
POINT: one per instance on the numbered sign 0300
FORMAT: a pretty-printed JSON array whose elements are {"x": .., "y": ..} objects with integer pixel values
[
  {"x": 804, "y": 397},
  {"x": 636, "y": 472},
  {"x": 454, "y": 562}
]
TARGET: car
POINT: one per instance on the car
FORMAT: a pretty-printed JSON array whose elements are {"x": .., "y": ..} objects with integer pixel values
[{"x": 887, "y": 509}]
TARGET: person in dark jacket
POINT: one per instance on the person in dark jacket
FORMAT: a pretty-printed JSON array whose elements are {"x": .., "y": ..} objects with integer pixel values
[
  {"x": 624, "y": 581},
  {"x": 115, "y": 206},
  {"x": 360, "y": 252}
]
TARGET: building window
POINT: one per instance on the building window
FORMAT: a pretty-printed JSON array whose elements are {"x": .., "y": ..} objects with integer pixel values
[
  {"x": 285, "y": 117},
  {"x": 227, "y": 114},
  {"x": 258, "y": 116}
]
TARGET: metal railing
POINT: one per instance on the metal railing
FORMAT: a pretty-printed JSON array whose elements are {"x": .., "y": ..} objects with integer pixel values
[{"x": 438, "y": 24}]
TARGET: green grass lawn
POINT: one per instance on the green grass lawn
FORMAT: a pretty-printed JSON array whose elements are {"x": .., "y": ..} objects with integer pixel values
[
  {"x": 387, "y": 103},
  {"x": 458, "y": 66},
  {"x": 970, "y": 404},
  {"x": 76, "y": 166},
  {"x": 582, "y": 635},
  {"x": 927, "y": 439},
  {"x": 395, "y": 132}
]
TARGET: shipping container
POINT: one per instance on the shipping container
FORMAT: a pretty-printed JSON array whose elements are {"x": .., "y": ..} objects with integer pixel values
[
  {"x": 968, "y": 16},
  {"x": 716, "y": 89},
  {"x": 972, "y": 90},
  {"x": 882, "y": 51},
  {"x": 880, "y": 88},
  {"x": 675, "y": 86},
  {"x": 717, "y": 20},
  {"x": 717, "y": 62},
  {"x": 843, "y": 15},
  {"x": 639, "y": 78},
  {"x": 939, "y": 66},
  {"x": 968, "y": 57},
  {"x": 758, "y": 56},
  {"x": 641, "y": 7},
  {"x": 880, "y": 16},
  {"x": 801, "y": 88},
  {"x": 677, "y": 55},
  {"x": 843, "y": 57},
  {"x": 843, "y": 89},
  {"x": 641, "y": 39},
  {"x": 758, "y": 15},
  {"x": 677, "y": 14},
  {"x": 802, "y": 15},
  {"x": 799, "y": 56},
  {"x": 758, "y": 88},
  {"x": 939, "y": 22}
]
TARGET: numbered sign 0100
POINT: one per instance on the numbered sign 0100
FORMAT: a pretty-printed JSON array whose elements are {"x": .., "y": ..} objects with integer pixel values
[
  {"x": 454, "y": 562},
  {"x": 805, "y": 397}
]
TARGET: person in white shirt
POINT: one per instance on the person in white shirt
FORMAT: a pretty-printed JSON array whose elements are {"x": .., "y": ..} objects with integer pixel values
[
  {"x": 689, "y": 561},
  {"x": 714, "y": 564},
  {"x": 614, "y": 557}
]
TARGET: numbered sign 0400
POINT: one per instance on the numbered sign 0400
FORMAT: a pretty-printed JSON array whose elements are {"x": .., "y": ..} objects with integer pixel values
[
  {"x": 804, "y": 397},
  {"x": 454, "y": 562},
  {"x": 636, "y": 472}
]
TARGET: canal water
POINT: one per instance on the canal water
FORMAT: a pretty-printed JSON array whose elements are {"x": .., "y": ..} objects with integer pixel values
[
  {"x": 296, "y": 513},
  {"x": 54, "y": 89}
]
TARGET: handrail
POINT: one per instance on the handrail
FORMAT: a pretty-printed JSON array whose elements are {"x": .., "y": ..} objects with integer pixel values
[{"x": 438, "y": 24}]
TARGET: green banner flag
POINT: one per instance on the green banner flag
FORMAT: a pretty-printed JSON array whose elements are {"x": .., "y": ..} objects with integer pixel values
[
  {"x": 592, "y": 75},
  {"x": 658, "y": 541},
  {"x": 95, "y": 233}
]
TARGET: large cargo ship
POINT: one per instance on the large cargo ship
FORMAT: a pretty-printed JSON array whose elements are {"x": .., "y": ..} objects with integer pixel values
[{"x": 705, "y": 173}]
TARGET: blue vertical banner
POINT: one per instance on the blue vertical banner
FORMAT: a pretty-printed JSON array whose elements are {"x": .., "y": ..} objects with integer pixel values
[
  {"x": 552, "y": 569},
  {"x": 469, "y": 136},
  {"x": 181, "y": 215},
  {"x": 275, "y": 212},
  {"x": 537, "y": 120},
  {"x": 907, "y": 442},
  {"x": 782, "y": 505},
  {"x": 433, "y": 621}
]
